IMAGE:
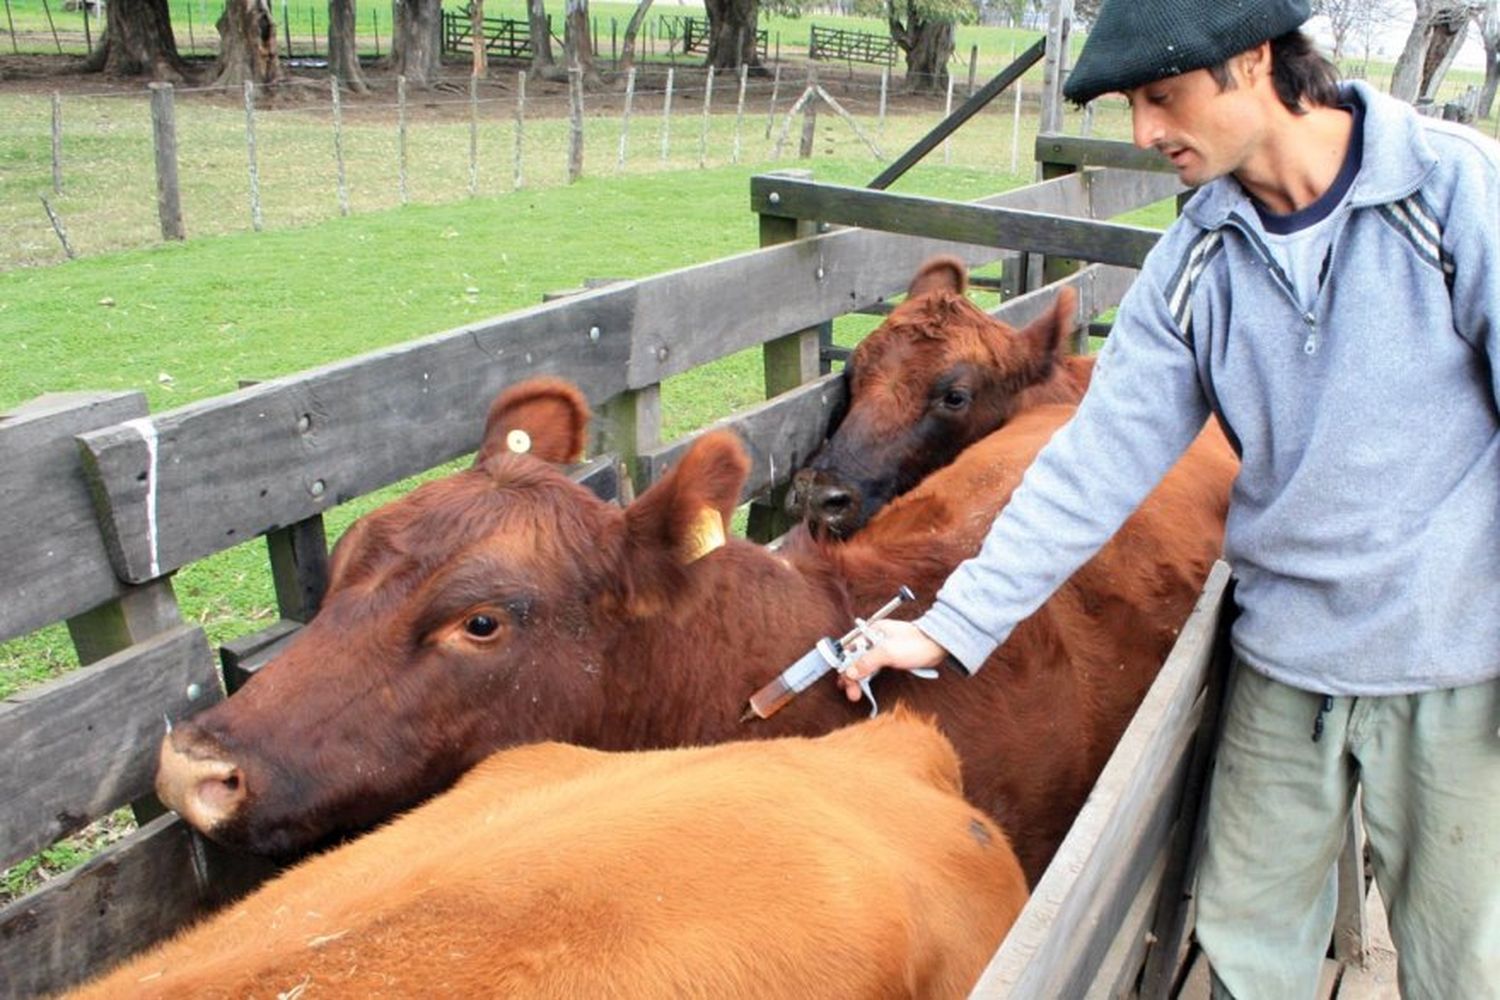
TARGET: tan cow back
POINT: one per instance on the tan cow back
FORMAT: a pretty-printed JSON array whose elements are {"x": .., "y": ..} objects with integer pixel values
[{"x": 843, "y": 866}]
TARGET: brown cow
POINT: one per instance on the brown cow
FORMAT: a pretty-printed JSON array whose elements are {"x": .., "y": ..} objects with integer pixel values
[
  {"x": 846, "y": 866},
  {"x": 506, "y": 604},
  {"x": 939, "y": 374}
]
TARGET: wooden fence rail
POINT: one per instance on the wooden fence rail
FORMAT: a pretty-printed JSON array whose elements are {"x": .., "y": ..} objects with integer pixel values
[{"x": 105, "y": 501}]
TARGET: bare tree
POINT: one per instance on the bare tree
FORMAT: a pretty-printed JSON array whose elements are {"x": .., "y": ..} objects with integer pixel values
[
  {"x": 542, "y": 63},
  {"x": 1433, "y": 36},
  {"x": 343, "y": 52},
  {"x": 138, "y": 41},
  {"x": 578, "y": 43}
]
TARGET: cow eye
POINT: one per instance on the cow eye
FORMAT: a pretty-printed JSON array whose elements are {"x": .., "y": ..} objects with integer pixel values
[
  {"x": 956, "y": 399},
  {"x": 481, "y": 626}
]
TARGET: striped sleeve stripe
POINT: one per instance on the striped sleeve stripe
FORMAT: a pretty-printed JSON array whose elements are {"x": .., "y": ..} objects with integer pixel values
[
  {"x": 1180, "y": 292},
  {"x": 1414, "y": 219}
]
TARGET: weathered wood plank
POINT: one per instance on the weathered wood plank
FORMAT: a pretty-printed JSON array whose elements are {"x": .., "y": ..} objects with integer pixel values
[
  {"x": 86, "y": 743},
  {"x": 1056, "y": 946},
  {"x": 1113, "y": 192},
  {"x": 55, "y": 565},
  {"x": 1122, "y": 964},
  {"x": 1052, "y": 147},
  {"x": 779, "y": 435},
  {"x": 1010, "y": 228},
  {"x": 135, "y": 893}
]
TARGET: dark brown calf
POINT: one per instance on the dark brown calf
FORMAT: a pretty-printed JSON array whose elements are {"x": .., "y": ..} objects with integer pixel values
[
  {"x": 506, "y": 604},
  {"x": 939, "y": 374}
]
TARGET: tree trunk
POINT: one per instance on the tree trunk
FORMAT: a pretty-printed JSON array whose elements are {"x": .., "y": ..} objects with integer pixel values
[
  {"x": 247, "y": 44},
  {"x": 542, "y": 62},
  {"x": 627, "y": 45},
  {"x": 138, "y": 41},
  {"x": 578, "y": 45},
  {"x": 1489, "y": 30},
  {"x": 1445, "y": 38},
  {"x": 478, "y": 43},
  {"x": 928, "y": 46},
  {"x": 415, "y": 40},
  {"x": 343, "y": 52},
  {"x": 732, "y": 27},
  {"x": 1406, "y": 78}
]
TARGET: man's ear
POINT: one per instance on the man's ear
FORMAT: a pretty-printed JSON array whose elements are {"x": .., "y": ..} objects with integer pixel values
[
  {"x": 545, "y": 417},
  {"x": 1255, "y": 63}
]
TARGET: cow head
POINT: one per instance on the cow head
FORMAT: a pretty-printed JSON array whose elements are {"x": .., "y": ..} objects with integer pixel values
[
  {"x": 472, "y": 614},
  {"x": 937, "y": 375}
]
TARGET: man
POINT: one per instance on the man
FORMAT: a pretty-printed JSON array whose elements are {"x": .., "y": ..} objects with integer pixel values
[{"x": 1332, "y": 295}]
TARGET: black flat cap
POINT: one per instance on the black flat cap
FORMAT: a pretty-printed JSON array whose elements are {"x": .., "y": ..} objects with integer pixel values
[{"x": 1134, "y": 42}]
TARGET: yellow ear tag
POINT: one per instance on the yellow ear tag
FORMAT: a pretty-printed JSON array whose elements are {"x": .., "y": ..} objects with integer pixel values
[
  {"x": 518, "y": 441},
  {"x": 706, "y": 535}
]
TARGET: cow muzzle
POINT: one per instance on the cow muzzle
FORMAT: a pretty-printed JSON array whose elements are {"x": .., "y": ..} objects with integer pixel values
[
  {"x": 827, "y": 506},
  {"x": 195, "y": 783}
]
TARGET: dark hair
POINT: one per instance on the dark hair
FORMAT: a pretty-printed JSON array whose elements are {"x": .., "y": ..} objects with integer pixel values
[{"x": 1303, "y": 76}]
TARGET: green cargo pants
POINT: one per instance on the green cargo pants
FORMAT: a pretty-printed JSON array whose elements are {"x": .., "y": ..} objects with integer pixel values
[{"x": 1429, "y": 767}]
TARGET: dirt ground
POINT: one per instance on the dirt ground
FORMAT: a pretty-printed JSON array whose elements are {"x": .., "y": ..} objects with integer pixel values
[{"x": 858, "y": 87}]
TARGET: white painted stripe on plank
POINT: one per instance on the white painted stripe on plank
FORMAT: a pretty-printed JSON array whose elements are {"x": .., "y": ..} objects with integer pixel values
[{"x": 147, "y": 430}]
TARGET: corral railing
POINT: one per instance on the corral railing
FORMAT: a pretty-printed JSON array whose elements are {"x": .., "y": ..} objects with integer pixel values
[
  {"x": 843, "y": 45},
  {"x": 105, "y": 500},
  {"x": 503, "y": 36}
]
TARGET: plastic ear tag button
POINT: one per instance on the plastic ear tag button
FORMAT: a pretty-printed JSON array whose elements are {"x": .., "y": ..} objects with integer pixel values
[{"x": 518, "y": 441}]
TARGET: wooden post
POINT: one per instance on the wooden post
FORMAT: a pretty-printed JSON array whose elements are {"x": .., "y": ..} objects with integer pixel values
[
  {"x": 299, "y": 563},
  {"x": 1055, "y": 65},
  {"x": 338, "y": 146},
  {"x": 575, "y": 122},
  {"x": 401, "y": 134},
  {"x": 739, "y": 112},
  {"x": 948, "y": 110},
  {"x": 809, "y": 116},
  {"x": 666, "y": 116},
  {"x": 885, "y": 84},
  {"x": 788, "y": 361},
  {"x": 1087, "y": 127},
  {"x": 473, "y": 133},
  {"x": 88, "y": 36},
  {"x": 775, "y": 89},
  {"x": 192, "y": 42},
  {"x": 973, "y": 66},
  {"x": 57, "y": 142},
  {"x": 164, "y": 140},
  {"x": 625, "y": 120},
  {"x": 1015, "y": 129},
  {"x": 255, "y": 219},
  {"x": 708, "y": 100},
  {"x": 516, "y": 177},
  {"x": 375, "y": 30},
  {"x": 47, "y": 9},
  {"x": 286, "y": 23},
  {"x": 12, "y": 25},
  {"x": 57, "y": 227}
]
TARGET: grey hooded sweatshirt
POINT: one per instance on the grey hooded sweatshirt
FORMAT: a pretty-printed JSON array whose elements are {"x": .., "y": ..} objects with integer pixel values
[{"x": 1364, "y": 525}]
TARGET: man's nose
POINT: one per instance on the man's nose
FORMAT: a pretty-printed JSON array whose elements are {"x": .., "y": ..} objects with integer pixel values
[{"x": 1145, "y": 127}]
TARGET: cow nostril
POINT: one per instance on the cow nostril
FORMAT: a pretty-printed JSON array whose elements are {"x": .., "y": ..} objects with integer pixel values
[{"x": 221, "y": 795}]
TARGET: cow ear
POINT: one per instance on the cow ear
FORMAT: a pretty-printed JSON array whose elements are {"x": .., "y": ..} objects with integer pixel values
[
  {"x": 1047, "y": 335},
  {"x": 686, "y": 513},
  {"x": 546, "y": 417},
  {"x": 940, "y": 274}
]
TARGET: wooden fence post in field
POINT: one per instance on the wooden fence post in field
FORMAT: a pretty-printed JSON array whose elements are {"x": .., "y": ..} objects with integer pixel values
[
  {"x": 809, "y": 116},
  {"x": 255, "y": 219},
  {"x": 739, "y": 111},
  {"x": 666, "y": 116},
  {"x": 848, "y": 119},
  {"x": 786, "y": 123},
  {"x": 286, "y": 23},
  {"x": 708, "y": 100},
  {"x": 885, "y": 86},
  {"x": 1015, "y": 129},
  {"x": 1087, "y": 127},
  {"x": 12, "y": 25},
  {"x": 625, "y": 120},
  {"x": 771, "y": 112},
  {"x": 88, "y": 35},
  {"x": 338, "y": 145},
  {"x": 57, "y": 227},
  {"x": 973, "y": 66},
  {"x": 948, "y": 110},
  {"x": 56, "y": 143},
  {"x": 192, "y": 42},
  {"x": 47, "y": 9},
  {"x": 520, "y": 126},
  {"x": 473, "y": 132},
  {"x": 575, "y": 122},
  {"x": 164, "y": 141},
  {"x": 375, "y": 30},
  {"x": 401, "y": 134}
]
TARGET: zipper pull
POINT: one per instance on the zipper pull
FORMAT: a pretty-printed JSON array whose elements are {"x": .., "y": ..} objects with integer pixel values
[{"x": 1310, "y": 345}]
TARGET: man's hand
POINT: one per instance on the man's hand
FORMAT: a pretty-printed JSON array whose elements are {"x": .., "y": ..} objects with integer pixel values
[{"x": 901, "y": 646}]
